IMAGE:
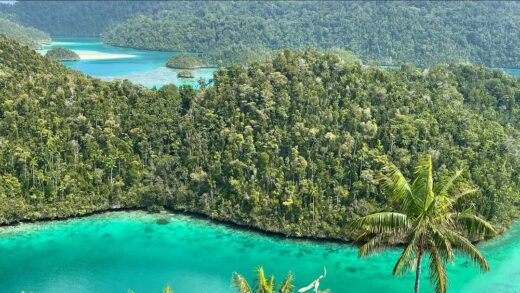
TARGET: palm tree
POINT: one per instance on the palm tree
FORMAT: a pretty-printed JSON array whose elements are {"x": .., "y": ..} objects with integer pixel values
[
  {"x": 425, "y": 221},
  {"x": 263, "y": 284},
  {"x": 168, "y": 289}
]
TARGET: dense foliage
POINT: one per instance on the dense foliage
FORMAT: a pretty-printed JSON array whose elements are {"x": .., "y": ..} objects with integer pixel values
[
  {"x": 184, "y": 61},
  {"x": 62, "y": 54},
  {"x": 26, "y": 35},
  {"x": 291, "y": 145},
  {"x": 78, "y": 18},
  {"x": 392, "y": 32}
]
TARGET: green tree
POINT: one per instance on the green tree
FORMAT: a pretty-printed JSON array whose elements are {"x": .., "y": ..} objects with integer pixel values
[{"x": 426, "y": 221}]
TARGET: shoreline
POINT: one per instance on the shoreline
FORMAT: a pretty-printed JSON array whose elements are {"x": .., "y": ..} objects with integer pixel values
[
  {"x": 226, "y": 223},
  {"x": 194, "y": 215},
  {"x": 192, "y": 68},
  {"x": 95, "y": 55}
]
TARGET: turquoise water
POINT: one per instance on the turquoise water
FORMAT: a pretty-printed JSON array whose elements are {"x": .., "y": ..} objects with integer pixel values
[
  {"x": 512, "y": 71},
  {"x": 118, "y": 251},
  {"x": 142, "y": 67}
]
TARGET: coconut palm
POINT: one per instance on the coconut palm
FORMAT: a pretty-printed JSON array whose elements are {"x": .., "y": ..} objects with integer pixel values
[
  {"x": 425, "y": 221},
  {"x": 263, "y": 284}
]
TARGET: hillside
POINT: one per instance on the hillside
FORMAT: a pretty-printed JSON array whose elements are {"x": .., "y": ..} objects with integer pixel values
[
  {"x": 29, "y": 36},
  {"x": 77, "y": 18},
  {"x": 425, "y": 33},
  {"x": 291, "y": 145},
  {"x": 392, "y": 32}
]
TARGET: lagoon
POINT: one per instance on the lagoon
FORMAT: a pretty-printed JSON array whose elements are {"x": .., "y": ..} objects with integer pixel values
[
  {"x": 143, "y": 67},
  {"x": 115, "y": 252}
]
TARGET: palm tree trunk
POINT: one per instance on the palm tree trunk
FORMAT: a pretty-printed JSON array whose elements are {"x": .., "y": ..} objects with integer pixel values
[{"x": 418, "y": 273}]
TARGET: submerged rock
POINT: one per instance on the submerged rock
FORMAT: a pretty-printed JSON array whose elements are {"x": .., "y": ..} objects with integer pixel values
[{"x": 162, "y": 221}]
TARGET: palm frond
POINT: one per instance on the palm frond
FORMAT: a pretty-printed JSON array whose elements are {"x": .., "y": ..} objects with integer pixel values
[
  {"x": 443, "y": 245},
  {"x": 241, "y": 284},
  {"x": 264, "y": 285},
  {"x": 464, "y": 193},
  {"x": 271, "y": 286},
  {"x": 475, "y": 226},
  {"x": 408, "y": 254},
  {"x": 464, "y": 245},
  {"x": 394, "y": 183},
  {"x": 382, "y": 222},
  {"x": 287, "y": 285},
  {"x": 168, "y": 289},
  {"x": 422, "y": 186},
  {"x": 437, "y": 270},
  {"x": 374, "y": 244},
  {"x": 447, "y": 186},
  {"x": 396, "y": 187}
]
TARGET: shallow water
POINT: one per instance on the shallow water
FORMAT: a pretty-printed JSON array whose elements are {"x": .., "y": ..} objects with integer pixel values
[
  {"x": 118, "y": 251},
  {"x": 512, "y": 71},
  {"x": 143, "y": 67}
]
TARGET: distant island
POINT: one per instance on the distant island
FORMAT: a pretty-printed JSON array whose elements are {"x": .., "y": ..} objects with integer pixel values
[
  {"x": 184, "y": 61},
  {"x": 62, "y": 54},
  {"x": 185, "y": 74}
]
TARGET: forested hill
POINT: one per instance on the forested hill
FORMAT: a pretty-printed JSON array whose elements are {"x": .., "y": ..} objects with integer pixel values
[
  {"x": 77, "y": 18},
  {"x": 29, "y": 36},
  {"x": 290, "y": 145},
  {"x": 425, "y": 33},
  {"x": 391, "y": 32}
]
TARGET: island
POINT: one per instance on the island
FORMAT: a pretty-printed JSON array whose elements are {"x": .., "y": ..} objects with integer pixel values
[
  {"x": 62, "y": 54},
  {"x": 184, "y": 61}
]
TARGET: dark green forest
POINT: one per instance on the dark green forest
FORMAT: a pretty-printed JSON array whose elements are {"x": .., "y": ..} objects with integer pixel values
[
  {"x": 79, "y": 18},
  {"x": 391, "y": 32},
  {"x": 292, "y": 145}
]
